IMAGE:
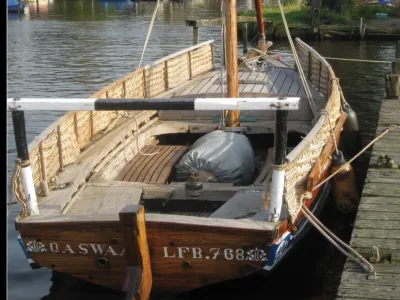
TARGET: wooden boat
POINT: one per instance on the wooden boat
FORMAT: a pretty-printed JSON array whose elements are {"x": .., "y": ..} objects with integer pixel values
[{"x": 105, "y": 203}]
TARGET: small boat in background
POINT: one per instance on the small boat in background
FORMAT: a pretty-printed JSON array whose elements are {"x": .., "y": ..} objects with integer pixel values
[{"x": 16, "y": 6}]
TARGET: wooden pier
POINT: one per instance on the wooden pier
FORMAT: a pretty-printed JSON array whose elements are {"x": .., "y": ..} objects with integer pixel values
[{"x": 376, "y": 232}]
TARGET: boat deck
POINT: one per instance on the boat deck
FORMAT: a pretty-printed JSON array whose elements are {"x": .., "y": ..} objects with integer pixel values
[
  {"x": 378, "y": 220},
  {"x": 280, "y": 81}
]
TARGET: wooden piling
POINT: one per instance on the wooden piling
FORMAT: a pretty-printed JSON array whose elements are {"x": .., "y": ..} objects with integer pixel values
[
  {"x": 196, "y": 35},
  {"x": 138, "y": 280},
  {"x": 392, "y": 81},
  {"x": 362, "y": 29},
  {"x": 244, "y": 37},
  {"x": 397, "y": 61}
]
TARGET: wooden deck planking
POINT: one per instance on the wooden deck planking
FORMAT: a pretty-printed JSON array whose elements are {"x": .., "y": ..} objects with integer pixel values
[
  {"x": 154, "y": 168},
  {"x": 378, "y": 220}
]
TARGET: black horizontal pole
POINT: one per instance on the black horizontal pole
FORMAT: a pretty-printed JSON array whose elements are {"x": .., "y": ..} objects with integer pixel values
[{"x": 145, "y": 104}]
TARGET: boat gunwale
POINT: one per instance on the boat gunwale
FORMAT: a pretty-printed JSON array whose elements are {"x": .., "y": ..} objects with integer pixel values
[{"x": 291, "y": 157}]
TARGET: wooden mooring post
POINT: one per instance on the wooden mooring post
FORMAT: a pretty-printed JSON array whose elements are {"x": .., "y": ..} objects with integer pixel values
[
  {"x": 392, "y": 80},
  {"x": 244, "y": 37},
  {"x": 198, "y": 23},
  {"x": 138, "y": 278}
]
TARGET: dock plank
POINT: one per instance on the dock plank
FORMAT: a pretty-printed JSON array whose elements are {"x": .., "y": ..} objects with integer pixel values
[{"x": 378, "y": 219}]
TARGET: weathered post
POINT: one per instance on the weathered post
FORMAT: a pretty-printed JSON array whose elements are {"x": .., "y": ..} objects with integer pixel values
[
  {"x": 138, "y": 279},
  {"x": 316, "y": 9},
  {"x": 362, "y": 29},
  {"x": 244, "y": 37},
  {"x": 260, "y": 25},
  {"x": 196, "y": 35},
  {"x": 392, "y": 80},
  {"x": 397, "y": 61}
]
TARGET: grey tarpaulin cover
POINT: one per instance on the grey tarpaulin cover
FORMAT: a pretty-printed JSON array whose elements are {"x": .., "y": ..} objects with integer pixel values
[{"x": 228, "y": 156}]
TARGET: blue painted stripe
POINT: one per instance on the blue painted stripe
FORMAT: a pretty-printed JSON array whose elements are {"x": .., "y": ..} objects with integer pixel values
[{"x": 21, "y": 243}]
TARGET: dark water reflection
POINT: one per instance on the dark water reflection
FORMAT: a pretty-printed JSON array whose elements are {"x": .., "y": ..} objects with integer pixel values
[{"x": 72, "y": 48}]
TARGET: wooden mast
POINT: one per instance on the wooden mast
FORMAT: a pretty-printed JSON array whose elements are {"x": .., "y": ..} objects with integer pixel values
[
  {"x": 260, "y": 24},
  {"x": 231, "y": 54}
]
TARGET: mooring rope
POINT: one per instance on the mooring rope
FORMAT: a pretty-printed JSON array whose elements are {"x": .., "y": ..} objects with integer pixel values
[
  {"x": 334, "y": 240},
  {"x": 360, "y": 60},
  {"x": 344, "y": 59},
  {"x": 390, "y": 128}
]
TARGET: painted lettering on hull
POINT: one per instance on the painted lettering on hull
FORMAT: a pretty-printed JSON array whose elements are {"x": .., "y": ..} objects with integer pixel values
[
  {"x": 255, "y": 254},
  {"x": 83, "y": 249}
]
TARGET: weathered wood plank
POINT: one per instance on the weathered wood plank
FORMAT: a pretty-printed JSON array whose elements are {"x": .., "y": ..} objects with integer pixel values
[
  {"x": 169, "y": 165},
  {"x": 381, "y": 207},
  {"x": 383, "y": 201},
  {"x": 294, "y": 88},
  {"x": 95, "y": 200},
  {"x": 138, "y": 281},
  {"x": 248, "y": 88},
  {"x": 275, "y": 88},
  {"x": 393, "y": 233},
  {"x": 373, "y": 291},
  {"x": 244, "y": 204},
  {"x": 362, "y": 278},
  {"x": 376, "y": 224},
  {"x": 196, "y": 85},
  {"x": 368, "y": 215},
  {"x": 206, "y": 87},
  {"x": 389, "y": 243},
  {"x": 257, "y": 88},
  {"x": 286, "y": 85},
  {"x": 380, "y": 268}
]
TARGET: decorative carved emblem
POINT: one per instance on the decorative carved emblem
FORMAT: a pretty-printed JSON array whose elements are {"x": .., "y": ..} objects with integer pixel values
[
  {"x": 256, "y": 255},
  {"x": 35, "y": 247}
]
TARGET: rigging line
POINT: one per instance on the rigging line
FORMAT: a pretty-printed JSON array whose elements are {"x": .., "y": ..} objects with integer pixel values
[
  {"x": 340, "y": 58},
  {"x": 296, "y": 58},
  {"x": 137, "y": 69},
  {"x": 302, "y": 76},
  {"x": 153, "y": 17}
]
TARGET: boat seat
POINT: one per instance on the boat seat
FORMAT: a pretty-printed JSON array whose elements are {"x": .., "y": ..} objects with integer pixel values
[
  {"x": 244, "y": 204},
  {"x": 152, "y": 168}
]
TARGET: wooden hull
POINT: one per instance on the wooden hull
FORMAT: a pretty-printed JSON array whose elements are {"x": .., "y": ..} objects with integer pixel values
[
  {"x": 88, "y": 234},
  {"x": 183, "y": 257}
]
